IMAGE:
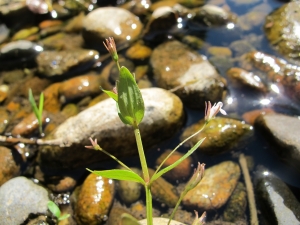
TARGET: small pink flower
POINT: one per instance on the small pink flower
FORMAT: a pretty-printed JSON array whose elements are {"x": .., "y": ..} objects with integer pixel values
[
  {"x": 111, "y": 47},
  {"x": 211, "y": 112},
  {"x": 94, "y": 145},
  {"x": 197, "y": 177}
]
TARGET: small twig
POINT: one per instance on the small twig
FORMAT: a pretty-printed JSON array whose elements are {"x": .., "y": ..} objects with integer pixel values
[
  {"x": 249, "y": 188},
  {"x": 15, "y": 140}
]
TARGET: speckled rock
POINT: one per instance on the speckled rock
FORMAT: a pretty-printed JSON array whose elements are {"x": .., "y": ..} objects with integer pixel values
[
  {"x": 215, "y": 188},
  {"x": 236, "y": 206},
  {"x": 281, "y": 28},
  {"x": 163, "y": 116},
  {"x": 19, "y": 197},
  {"x": 221, "y": 134},
  {"x": 193, "y": 77},
  {"x": 94, "y": 200},
  {"x": 251, "y": 116},
  {"x": 51, "y": 63},
  {"x": 180, "y": 172},
  {"x": 163, "y": 191},
  {"x": 8, "y": 166},
  {"x": 277, "y": 202},
  {"x": 138, "y": 51},
  {"x": 129, "y": 191},
  {"x": 240, "y": 78},
  {"x": 115, "y": 214},
  {"x": 125, "y": 27},
  {"x": 51, "y": 98},
  {"x": 80, "y": 86},
  {"x": 282, "y": 132}
]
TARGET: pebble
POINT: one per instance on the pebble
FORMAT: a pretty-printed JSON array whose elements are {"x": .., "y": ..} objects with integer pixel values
[
  {"x": 9, "y": 168},
  {"x": 94, "y": 200}
]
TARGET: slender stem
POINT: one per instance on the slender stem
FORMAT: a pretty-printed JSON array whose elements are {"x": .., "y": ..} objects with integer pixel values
[
  {"x": 149, "y": 204},
  {"x": 176, "y": 206},
  {"x": 249, "y": 188},
  {"x": 180, "y": 144},
  {"x": 141, "y": 153}
]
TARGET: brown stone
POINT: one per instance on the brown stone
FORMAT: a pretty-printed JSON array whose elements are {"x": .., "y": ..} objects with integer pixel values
[{"x": 8, "y": 166}]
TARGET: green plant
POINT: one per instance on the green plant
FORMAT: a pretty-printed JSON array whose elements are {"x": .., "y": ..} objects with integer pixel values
[
  {"x": 54, "y": 209},
  {"x": 130, "y": 106},
  {"x": 38, "y": 112}
]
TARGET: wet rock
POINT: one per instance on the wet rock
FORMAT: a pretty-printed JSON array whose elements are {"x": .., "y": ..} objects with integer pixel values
[
  {"x": 138, "y": 51},
  {"x": 161, "y": 221},
  {"x": 34, "y": 200},
  {"x": 163, "y": 116},
  {"x": 53, "y": 63},
  {"x": 129, "y": 191},
  {"x": 180, "y": 172},
  {"x": 8, "y": 166},
  {"x": 28, "y": 125},
  {"x": 236, "y": 207},
  {"x": 240, "y": 77},
  {"x": 4, "y": 119},
  {"x": 279, "y": 71},
  {"x": 63, "y": 41},
  {"x": 221, "y": 134},
  {"x": 61, "y": 184},
  {"x": 80, "y": 86},
  {"x": 163, "y": 191},
  {"x": 277, "y": 203},
  {"x": 94, "y": 200},
  {"x": 251, "y": 116},
  {"x": 36, "y": 84},
  {"x": 139, "y": 210},
  {"x": 4, "y": 33},
  {"x": 212, "y": 15},
  {"x": 281, "y": 29},
  {"x": 193, "y": 41},
  {"x": 125, "y": 27},
  {"x": 25, "y": 33},
  {"x": 115, "y": 214},
  {"x": 51, "y": 98},
  {"x": 282, "y": 131},
  {"x": 70, "y": 110},
  {"x": 19, "y": 54},
  {"x": 137, "y": 7},
  {"x": 215, "y": 188},
  {"x": 219, "y": 51},
  {"x": 13, "y": 76},
  {"x": 181, "y": 215},
  {"x": 193, "y": 77},
  {"x": 161, "y": 21},
  {"x": 75, "y": 24}
]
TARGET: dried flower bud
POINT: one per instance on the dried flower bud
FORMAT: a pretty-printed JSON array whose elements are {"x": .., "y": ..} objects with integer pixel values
[
  {"x": 199, "y": 221},
  {"x": 211, "y": 112},
  {"x": 196, "y": 178},
  {"x": 111, "y": 47}
]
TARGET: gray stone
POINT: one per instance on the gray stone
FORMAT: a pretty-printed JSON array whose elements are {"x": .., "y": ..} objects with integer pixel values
[
  {"x": 19, "y": 197},
  {"x": 283, "y": 133},
  {"x": 192, "y": 77},
  {"x": 163, "y": 117}
]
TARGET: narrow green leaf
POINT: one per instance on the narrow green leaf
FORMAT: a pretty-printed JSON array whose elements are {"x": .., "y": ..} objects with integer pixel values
[
  {"x": 127, "y": 219},
  {"x": 33, "y": 104},
  {"x": 118, "y": 174},
  {"x": 111, "y": 94},
  {"x": 41, "y": 106},
  {"x": 54, "y": 209},
  {"x": 63, "y": 217},
  {"x": 168, "y": 168},
  {"x": 130, "y": 100}
]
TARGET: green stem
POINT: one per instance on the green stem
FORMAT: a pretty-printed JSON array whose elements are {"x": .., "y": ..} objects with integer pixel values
[
  {"x": 149, "y": 204},
  {"x": 180, "y": 144},
  {"x": 145, "y": 173},
  {"x": 141, "y": 153},
  {"x": 177, "y": 205}
]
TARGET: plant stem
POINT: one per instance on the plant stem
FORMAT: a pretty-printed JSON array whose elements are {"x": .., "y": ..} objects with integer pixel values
[
  {"x": 145, "y": 173},
  {"x": 177, "y": 205},
  {"x": 249, "y": 188},
  {"x": 149, "y": 204},
  {"x": 180, "y": 144}
]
